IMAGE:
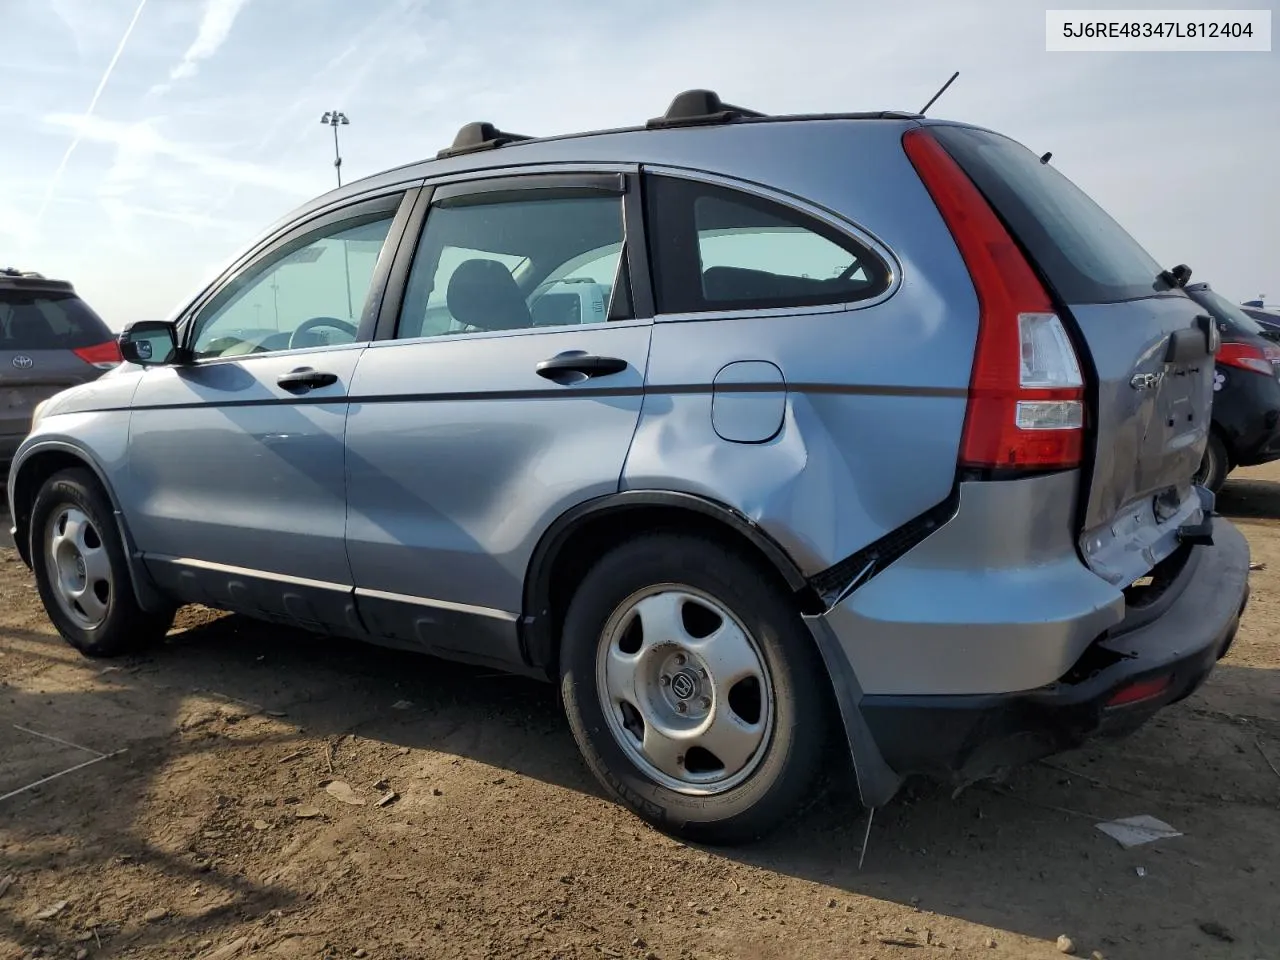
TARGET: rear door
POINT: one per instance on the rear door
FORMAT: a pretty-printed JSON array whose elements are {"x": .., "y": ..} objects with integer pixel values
[
  {"x": 484, "y": 410},
  {"x": 49, "y": 340},
  {"x": 1145, "y": 339}
]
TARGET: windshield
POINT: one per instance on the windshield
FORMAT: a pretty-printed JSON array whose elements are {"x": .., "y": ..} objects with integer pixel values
[{"x": 1226, "y": 311}]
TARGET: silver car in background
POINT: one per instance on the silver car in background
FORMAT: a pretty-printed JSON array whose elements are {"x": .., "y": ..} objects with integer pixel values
[
  {"x": 755, "y": 434},
  {"x": 50, "y": 339}
]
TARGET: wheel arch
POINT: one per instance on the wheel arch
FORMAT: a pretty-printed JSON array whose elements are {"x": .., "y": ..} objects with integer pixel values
[
  {"x": 565, "y": 550},
  {"x": 41, "y": 462}
]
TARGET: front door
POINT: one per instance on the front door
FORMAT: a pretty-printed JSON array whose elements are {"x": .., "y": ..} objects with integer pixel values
[
  {"x": 235, "y": 460},
  {"x": 506, "y": 392}
]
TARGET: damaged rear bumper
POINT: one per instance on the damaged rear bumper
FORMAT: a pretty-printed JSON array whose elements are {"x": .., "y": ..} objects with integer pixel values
[{"x": 1156, "y": 656}]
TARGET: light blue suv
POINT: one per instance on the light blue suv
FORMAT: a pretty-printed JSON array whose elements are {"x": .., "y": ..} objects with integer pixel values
[{"x": 754, "y": 433}]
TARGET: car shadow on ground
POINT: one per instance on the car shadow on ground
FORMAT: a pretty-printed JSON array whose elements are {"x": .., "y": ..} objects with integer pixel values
[{"x": 1022, "y": 855}]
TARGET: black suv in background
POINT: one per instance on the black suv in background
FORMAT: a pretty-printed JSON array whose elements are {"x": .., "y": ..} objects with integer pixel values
[
  {"x": 49, "y": 340},
  {"x": 1246, "y": 399}
]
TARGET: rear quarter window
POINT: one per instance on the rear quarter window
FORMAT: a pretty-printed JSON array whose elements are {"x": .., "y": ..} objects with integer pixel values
[
  {"x": 1086, "y": 256},
  {"x": 31, "y": 320},
  {"x": 716, "y": 249}
]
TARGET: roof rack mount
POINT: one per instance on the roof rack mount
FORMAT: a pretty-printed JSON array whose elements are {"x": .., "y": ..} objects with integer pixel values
[
  {"x": 691, "y": 108},
  {"x": 696, "y": 107},
  {"x": 474, "y": 137}
]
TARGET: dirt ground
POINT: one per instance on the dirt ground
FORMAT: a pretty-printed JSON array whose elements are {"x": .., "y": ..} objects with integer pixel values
[{"x": 209, "y": 832}]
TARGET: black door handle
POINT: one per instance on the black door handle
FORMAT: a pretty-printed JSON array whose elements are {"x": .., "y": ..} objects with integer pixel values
[
  {"x": 304, "y": 379},
  {"x": 574, "y": 366}
]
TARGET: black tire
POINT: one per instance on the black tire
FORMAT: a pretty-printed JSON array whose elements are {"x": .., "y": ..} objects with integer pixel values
[
  {"x": 1215, "y": 465},
  {"x": 126, "y": 627},
  {"x": 793, "y": 755}
]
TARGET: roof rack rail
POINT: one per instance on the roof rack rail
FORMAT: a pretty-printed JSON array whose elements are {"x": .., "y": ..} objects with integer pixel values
[
  {"x": 697, "y": 107},
  {"x": 15, "y": 272},
  {"x": 474, "y": 137}
]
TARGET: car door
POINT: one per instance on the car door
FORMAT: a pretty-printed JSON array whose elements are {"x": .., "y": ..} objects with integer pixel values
[
  {"x": 504, "y": 389},
  {"x": 235, "y": 494}
]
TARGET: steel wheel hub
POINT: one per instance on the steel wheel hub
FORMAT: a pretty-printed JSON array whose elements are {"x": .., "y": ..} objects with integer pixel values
[
  {"x": 685, "y": 690},
  {"x": 78, "y": 567}
]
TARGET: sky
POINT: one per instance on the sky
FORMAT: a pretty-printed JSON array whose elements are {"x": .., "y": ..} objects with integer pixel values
[{"x": 144, "y": 144}]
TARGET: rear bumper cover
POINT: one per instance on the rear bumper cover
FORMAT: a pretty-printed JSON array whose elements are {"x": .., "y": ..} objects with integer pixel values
[{"x": 962, "y": 737}]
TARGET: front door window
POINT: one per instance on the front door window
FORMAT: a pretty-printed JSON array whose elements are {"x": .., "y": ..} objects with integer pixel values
[{"x": 310, "y": 293}]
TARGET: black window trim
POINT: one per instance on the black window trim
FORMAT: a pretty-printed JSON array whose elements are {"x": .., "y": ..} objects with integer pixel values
[
  {"x": 398, "y": 199},
  {"x": 507, "y": 185},
  {"x": 803, "y": 209},
  {"x": 547, "y": 186}
]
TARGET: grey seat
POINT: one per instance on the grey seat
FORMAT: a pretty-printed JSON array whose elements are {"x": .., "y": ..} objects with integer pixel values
[{"x": 483, "y": 294}]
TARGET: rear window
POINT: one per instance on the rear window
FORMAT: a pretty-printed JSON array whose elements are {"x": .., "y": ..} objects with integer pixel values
[
  {"x": 31, "y": 320},
  {"x": 1084, "y": 254}
]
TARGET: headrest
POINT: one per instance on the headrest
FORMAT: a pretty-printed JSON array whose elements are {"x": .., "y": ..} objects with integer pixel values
[{"x": 483, "y": 294}]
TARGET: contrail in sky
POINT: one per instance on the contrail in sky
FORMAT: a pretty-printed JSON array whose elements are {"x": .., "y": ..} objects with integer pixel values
[{"x": 93, "y": 103}]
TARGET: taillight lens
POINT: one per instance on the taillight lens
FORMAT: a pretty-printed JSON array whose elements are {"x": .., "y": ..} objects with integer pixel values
[
  {"x": 104, "y": 356},
  {"x": 1026, "y": 394},
  {"x": 1245, "y": 356}
]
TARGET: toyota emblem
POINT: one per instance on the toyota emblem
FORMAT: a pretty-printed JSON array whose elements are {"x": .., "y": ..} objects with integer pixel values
[{"x": 23, "y": 362}]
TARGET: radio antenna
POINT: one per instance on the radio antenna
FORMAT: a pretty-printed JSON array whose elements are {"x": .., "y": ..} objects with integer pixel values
[{"x": 925, "y": 108}]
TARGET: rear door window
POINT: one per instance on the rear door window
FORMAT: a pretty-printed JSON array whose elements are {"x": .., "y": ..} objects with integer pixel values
[
  {"x": 1084, "y": 253},
  {"x": 515, "y": 262},
  {"x": 31, "y": 320},
  {"x": 714, "y": 248}
]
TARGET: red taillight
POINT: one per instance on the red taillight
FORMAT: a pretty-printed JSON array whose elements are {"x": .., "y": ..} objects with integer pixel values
[
  {"x": 102, "y": 355},
  {"x": 1026, "y": 395},
  {"x": 1245, "y": 356},
  {"x": 1142, "y": 690}
]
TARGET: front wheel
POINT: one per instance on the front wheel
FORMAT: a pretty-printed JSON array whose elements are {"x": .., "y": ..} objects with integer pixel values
[
  {"x": 693, "y": 689},
  {"x": 82, "y": 572}
]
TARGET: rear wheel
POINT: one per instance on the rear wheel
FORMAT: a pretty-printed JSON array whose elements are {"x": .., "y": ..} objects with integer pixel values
[
  {"x": 82, "y": 572},
  {"x": 1215, "y": 465},
  {"x": 693, "y": 689}
]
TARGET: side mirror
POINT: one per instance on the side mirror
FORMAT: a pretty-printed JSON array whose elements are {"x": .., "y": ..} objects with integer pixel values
[{"x": 151, "y": 343}]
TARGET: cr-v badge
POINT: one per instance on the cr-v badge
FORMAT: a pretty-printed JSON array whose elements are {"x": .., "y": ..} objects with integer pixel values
[{"x": 1146, "y": 381}]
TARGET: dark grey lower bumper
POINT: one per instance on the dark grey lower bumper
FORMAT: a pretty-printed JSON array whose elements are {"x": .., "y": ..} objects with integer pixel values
[{"x": 968, "y": 737}]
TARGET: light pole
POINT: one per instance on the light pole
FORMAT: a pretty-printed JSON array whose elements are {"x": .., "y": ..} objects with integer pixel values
[{"x": 334, "y": 118}]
